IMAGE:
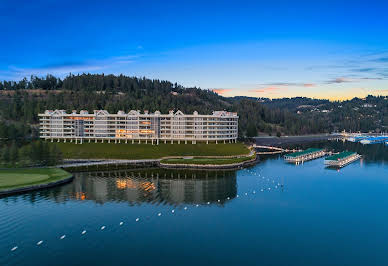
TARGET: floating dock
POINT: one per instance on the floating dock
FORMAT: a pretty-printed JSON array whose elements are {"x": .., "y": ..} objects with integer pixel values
[
  {"x": 341, "y": 159},
  {"x": 306, "y": 155}
]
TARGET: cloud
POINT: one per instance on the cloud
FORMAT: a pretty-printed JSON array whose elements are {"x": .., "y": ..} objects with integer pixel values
[
  {"x": 66, "y": 67},
  {"x": 221, "y": 91},
  {"x": 339, "y": 80},
  {"x": 367, "y": 78},
  {"x": 289, "y": 84},
  {"x": 383, "y": 59},
  {"x": 309, "y": 85},
  {"x": 269, "y": 90}
]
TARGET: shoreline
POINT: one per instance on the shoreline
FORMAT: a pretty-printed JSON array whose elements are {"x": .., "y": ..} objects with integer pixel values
[
  {"x": 273, "y": 140},
  {"x": 9, "y": 192},
  {"x": 103, "y": 163}
]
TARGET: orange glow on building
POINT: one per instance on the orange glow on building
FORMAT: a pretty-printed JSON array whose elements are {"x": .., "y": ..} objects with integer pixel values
[{"x": 81, "y": 118}]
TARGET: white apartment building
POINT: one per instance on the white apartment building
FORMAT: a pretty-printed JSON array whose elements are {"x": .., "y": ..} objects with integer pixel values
[{"x": 101, "y": 126}]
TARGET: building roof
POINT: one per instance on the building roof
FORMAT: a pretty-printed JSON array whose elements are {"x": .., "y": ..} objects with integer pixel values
[
  {"x": 340, "y": 156},
  {"x": 305, "y": 152}
]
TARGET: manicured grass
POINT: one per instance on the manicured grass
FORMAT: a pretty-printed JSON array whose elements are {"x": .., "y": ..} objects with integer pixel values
[
  {"x": 203, "y": 161},
  {"x": 18, "y": 178},
  {"x": 147, "y": 151}
]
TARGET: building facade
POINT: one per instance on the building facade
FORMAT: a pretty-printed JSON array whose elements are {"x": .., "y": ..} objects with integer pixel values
[{"x": 101, "y": 126}]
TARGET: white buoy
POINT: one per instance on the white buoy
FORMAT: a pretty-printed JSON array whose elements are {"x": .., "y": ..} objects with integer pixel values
[
  {"x": 62, "y": 237},
  {"x": 196, "y": 205},
  {"x": 83, "y": 232},
  {"x": 39, "y": 243},
  {"x": 159, "y": 214},
  {"x": 218, "y": 200},
  {"x": 208, "y": 202},
  {"x": 102, "y": 227},
  {"x": 228, "y": 198},
  {"x": 14, "y": 248},
  {"x": 254, "y": 192},
  {"x": 121, "y": 223},
  {"x": 185, "y": 208},
  {"x": 269, "y": 188},
  {"x": 246, "y": 194},
  {"x": 262, "y": 190},
  {"x": 137, "y": 219},
  {"x": 172, "y": 211},
  {"x": 237, "y": 196}
]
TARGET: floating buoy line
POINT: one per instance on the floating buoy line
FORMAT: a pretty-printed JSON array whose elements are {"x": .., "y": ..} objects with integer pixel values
[{"x": 265, "y": 186}]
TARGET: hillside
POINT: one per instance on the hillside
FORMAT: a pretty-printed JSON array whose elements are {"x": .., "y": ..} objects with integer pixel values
[{"x": 20, "y": 102}]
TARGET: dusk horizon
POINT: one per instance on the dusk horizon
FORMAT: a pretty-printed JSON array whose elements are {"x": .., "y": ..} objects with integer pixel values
[{"x": 333, "y": 51}]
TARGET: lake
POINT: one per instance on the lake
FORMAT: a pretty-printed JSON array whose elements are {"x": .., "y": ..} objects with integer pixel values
[{"x": 273, "y": 213}]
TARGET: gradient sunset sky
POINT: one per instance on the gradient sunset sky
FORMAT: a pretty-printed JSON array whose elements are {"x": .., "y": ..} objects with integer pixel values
[{"x": 321, "y": 49}]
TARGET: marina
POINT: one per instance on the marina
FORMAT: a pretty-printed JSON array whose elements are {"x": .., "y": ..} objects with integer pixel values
[
  {"x": 341, "y": 159},
  {"x": 306, "y": 155}
]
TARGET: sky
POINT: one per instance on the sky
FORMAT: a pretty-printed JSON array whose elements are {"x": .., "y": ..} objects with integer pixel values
[{"x": 321, "y": 49}]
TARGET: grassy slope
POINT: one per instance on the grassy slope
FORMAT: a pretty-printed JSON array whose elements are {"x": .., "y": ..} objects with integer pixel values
[
  {"x": 147, "y": 151},
  {"x": 203, "y": 161},
  {"x": 17, "y": 178}
]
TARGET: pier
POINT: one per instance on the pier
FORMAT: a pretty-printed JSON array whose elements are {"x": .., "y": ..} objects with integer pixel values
[
  {"x": 342, "y": 159},
  {"x": 306, "y": 155}
]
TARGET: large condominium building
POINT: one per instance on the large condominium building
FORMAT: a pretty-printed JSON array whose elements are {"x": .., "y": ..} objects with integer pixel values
[{"x": 134, "y": 126}]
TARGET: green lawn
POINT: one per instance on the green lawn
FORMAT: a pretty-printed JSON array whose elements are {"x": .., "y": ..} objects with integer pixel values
[
  {"x": 17, "y": 178},
  {"x": 147, "y": 151},
  {"x": 202, "y": 161}
]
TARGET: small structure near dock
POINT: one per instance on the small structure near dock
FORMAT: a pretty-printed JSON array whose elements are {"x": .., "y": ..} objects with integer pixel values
[
  {"x": 374, "y": 140},
  {"x": 342, "y": 159},
  {"x": 306, "y": 155}
]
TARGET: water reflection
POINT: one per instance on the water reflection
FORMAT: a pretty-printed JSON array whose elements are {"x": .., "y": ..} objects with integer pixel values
[{"x": 152, "y": 186}]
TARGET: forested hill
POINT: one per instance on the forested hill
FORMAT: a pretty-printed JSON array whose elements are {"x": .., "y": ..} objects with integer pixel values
[{"x": 21, "y": 101}]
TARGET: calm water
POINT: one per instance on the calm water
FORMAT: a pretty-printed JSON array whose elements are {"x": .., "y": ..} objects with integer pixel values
[{"x": 305, "y": 215}]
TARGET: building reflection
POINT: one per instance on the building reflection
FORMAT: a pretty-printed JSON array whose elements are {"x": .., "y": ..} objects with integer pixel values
[{"x": 153, "y": 186}]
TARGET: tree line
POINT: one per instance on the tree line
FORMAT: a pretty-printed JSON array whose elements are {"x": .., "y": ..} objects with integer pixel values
[{"x": 21, "y": 101}]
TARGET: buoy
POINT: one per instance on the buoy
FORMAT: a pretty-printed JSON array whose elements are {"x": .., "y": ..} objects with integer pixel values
[
  {"x": 39, "y": 243},
  {"x": 196, "y": 205},
  {"x": 254, "y": 192},
  {"x": 237, "y": 196},
  {"x": 262, "y": 190},
  {"x": 173, "y": 211},
  {"x": 228, "y": 198},
  {"x": 218, "y": 200},
  {"x": 269, "y": 188},
  {"x": 83, "y": 232},
  {"x": 121, "y": 223},
  {"x": 103, "y": 227},
  {"x": 137, "y": 219},
  {"x": 159, "y": 214},
  {"x": 208, "y": 202},
  {"x": 14, "y": 248},
  {"x": 246, "y": 194},
  {"x": 62, "y": 237},
  {"x": 185, "y": 208}
]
